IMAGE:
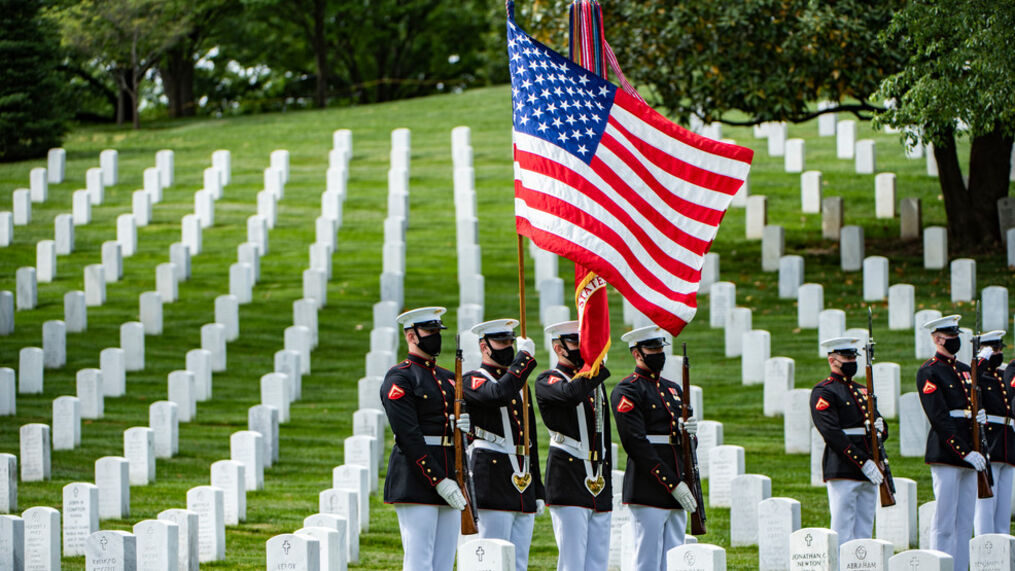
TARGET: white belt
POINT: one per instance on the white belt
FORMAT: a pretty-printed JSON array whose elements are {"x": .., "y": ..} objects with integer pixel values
[
  {"x": 857, "y": 431},
  {"x": 659, "y": 438},
  {"x": 437, "y": 441},
  {"x": 1000, "y": 420},
  {"x": 487, "y": 445},
  {"x": 569, "y": 445},
  {"x": 959, "y": 413}
]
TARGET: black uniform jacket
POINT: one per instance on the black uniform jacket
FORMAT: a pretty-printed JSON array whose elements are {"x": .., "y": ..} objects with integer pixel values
[
  {"x": 558, "y": 401},
  {"x": 838, "y": 403},
  {"x": 996, "y": 398},
  {"x": 491, "y": 470},
  {"x": 646, "y": 404},
  {"x": 419, "y": 398},
  {"x": 944, "y": 384}
]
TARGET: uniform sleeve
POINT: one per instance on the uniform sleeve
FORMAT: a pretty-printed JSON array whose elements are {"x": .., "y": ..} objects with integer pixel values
[
  {"x": 631, "y": 428},
  {"x": 552, "y": 389},
  {"x": 481, "y": 390},
  {"x": 400, "y": 406},
  {"x": 534, "y": 452},
  {"x": 936, "y": 408},
  {"x": 825, "y": 415},
  {"x": 1009, "y": 375}
]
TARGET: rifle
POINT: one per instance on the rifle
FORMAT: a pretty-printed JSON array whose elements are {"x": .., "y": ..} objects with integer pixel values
[
  {"x": 878, "y": 456},
  {"x": 469, "y": 515},
  {"x": 690, "y": 450},
  {"x": 983, "y": 479}
]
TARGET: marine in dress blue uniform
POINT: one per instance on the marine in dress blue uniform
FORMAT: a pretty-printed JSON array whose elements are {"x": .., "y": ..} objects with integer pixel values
[
  {"x": 944, "y": 386},
  {"x": 839, "y": 412},
  {"x": 418, "y": 398},
  {"x": 647, "y": 411},
  {"x": 993, "y": 515},
  {"x": 508, "y": 490},
  {"x": 579, "y": 497}
]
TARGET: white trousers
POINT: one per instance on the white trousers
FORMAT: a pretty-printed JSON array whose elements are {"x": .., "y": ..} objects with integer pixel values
[
  {"x": 852, "y": 504},
  {"x": 656, "y": 531},
  {"x": 993, "y": 515},
  {"x": 583, "y": 538},
  {"x": 515, "y": 527},
  {"x": 429, "y": 536},
  {"x": 952, "y": 526}
]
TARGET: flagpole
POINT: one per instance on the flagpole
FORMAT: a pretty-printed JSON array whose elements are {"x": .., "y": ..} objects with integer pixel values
[{"x": 521, "y": 323}]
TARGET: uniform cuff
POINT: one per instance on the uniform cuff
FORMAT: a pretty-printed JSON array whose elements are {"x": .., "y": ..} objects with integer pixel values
[
  {"x": 428, "y": 471},
  {"x": 664, "y": 480}
]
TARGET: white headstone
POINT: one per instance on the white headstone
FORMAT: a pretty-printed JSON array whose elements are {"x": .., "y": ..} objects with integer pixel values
[
  {"x": 95, "y": 186},
  {"x": 814, "y": 548},
  {"x": 27, "y": 288},
  {"x": 791, "y": 276},
  {"x": 898, "y": 523},
  {"x": 748, "y": 490},
  {"x": 293, "y": 551},
  {"x": 797, "y": 422},
  {"x": 913, "y": 426},
  {"x": 22, "y": 202},
  {"x": 963, "y": 279},
  {"x": 817, "y": 454},
  {"x": 183, "y": 392},
  {"x": 247, "y": 447},
  {"x": 992, "y": 551},
  {"x": 709, "y": 272},
  {"x": 845, "y": 139},
  {"x": 756, "y": 349},
  {"x": 887, "y": 386},
  {"x": 112, "y": 261},
  {"x": 8, "y": 394},
  {"x": 875, "y": 278},
  {"x": 54, "y": 344},
  {"x": 773, "y": 246},
  {"x": 995, "y": 308},
  {"x": 831, "y": 323},
  {"x": 315, "y": 286},
  {"x": 810, "y": 304},
  {"x": 757, "y": 217},
  {"x": 66, "y": 423},
  {"x": 884, "y": 195},
  {"x": 331, "y": 548},
  {"x": 179, "y": 256},
  {"x": 935, "y": 247},
  {"x": 90, "y": 393},
  {"x": 30, "y": 366},
  {"x": 63, "y": 233},
  {"x": 901, "y": 305},
  {"x": 141, "y": 207},
  {"x": 132, "y": 343},
  {"x": 725, "y": 463},
  {"x": 207, "y": 503},
  {"x": 151, "y": 312},
  {"x": 267, "y": 207},
  {"x": 356, "y": 478},
  {"x": 336, "y": 523},
  {"x": 721, "y": 300},
  {"x": 264, "y": 420},
  {"x": 12, "y": 542},
  {"x": 158, "y": 544},
  {"x": 831, "y": 217},
  {"x": 368, "y": 391},
  {"x": 39, "y": 184},
  {"x": 851, "y": 248},
  {"x": 777, "y": 139},
  {"x": 187, "y": 542},
  {"x": 320, "y": 258},
  {"x": 289, "y": 362},
  {"x": 371, "y": 422},
  {"x": 112, "y": 364},
  {"x": 81, "y": 207},
  {"x": 865, "y": 157},
  {"x": 163, "y": 419},
  {"x": 227, "y": 313},
  {"x": 923, "y": 343},
  {"x": 274, "y": 182},
  {"x": 866, "y": 554},
  {"x": 922, "y": 560},
  {"x": 925, "y": 515},
  {"x": 298, "y": 338},
  {"x": 779, "y": 380},
  {"x": 164, "y": 162},
  {"x": 112, "y": 477},
  {"x": 80, "y": 516},
  {"x": 190, "y": 234},
  {"x": 275, "y": 392},
  {"x": 56, "y": 164},
  {"x": 6, "y": 229},
  {"x": 75, "y": 312},
  {"x": 45, "y": 261},
  {"x": 42, "y": 538},
  {"x": 126, "y": 234},
  {"x": 738, "y": 322},
  {"x": 139, "y": 450},
  {"x": 199, "y": 362},
  {"x": 35, "y": 452},
  {"x": 241, "y": 282},
  {"x": 229, "y": 476},
  {"x": 246, "y": 253},
  {"x": 152, "y": 184},
  {"x": 204, "y": 204},
  {"x": 344, "y": 503},
  {"x": 486, "y": 554},
  {"x": 111, "y": 549},
  {"x": 213, "y": 340},
  {"x": 795, "y": 155}
]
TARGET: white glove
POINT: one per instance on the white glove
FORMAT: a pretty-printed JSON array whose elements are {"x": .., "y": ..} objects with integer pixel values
[
  {"x": 527, "y": 345},
  {"x": 870, "y": 470},
  {"x": 448, "y": 489},
  {"x": 879, "y": 424},
  {"x": 464, "y": 423},
  {"x": 540, "y": 507},
  {"x": 985, "y": 352},
  {"x": 684, "y": 496},
  {"x": 690, "y": 425},
  {"x": 976, "y": 460},
  {"x": 981, "y": 416}
]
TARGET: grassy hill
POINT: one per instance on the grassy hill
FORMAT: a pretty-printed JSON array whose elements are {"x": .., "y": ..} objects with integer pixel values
[{"x": 311, "y": 444}]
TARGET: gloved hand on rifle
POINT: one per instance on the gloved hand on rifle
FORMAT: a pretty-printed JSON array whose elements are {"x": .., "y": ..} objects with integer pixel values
[
  {"x": 452, "y": 494},
  {"x": 976, "y": 460},
  {"x": 527, "y": 345},
  {"x": 690, "y": 425},
  {"x": 879, "y": 425},
  {"x": 464, "y": 423},
  {"x": 870, "y": 469},
  {"x": 981, "y": 417},
  {"x": 682, "y": 493}
]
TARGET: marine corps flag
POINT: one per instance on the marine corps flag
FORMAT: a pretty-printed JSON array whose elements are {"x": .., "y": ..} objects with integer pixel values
[{"x": 604, "y": 180}]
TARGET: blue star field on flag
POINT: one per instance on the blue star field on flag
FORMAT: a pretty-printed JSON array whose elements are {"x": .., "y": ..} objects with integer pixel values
[{"x": 554, "y": 99}]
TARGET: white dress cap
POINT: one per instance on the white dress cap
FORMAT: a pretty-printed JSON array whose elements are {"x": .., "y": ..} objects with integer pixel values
[
  {"x": 495, "y": 328},
  {"x": 946, "y": 324},
  {"x": 563, "y": 328},
  {"x": 643, "y": 334},
  {"x": 995, "y": 336},
  {"x": 421, "y": 315},
  {"x": 837, "y": 344}
]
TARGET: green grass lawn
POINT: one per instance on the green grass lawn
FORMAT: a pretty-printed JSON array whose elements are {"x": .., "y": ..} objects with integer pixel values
[{"x": 311, "y": 444}]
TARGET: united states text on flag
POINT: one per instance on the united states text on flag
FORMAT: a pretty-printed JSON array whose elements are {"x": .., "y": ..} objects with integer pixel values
[{"x": 604, "y": 180}]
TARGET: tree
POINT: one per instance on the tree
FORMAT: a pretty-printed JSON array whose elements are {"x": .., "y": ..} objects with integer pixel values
[
  {"x": 959, "y": 67},
  {"x": 128, "y": 36},
  {"x": 32, "y": 110}
]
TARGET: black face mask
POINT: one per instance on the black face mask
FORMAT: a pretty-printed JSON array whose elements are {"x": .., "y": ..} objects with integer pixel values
[
  {"x": 503, "y": 357},
  {"x": 431, "y": 344},
  {"x": 575, "y": 356},
  {"x": 995, "y": 360},
  {"x": 654, "y": 361},
  {"x": 952, "y": 345},
  {"x": 848, "y": 369}
]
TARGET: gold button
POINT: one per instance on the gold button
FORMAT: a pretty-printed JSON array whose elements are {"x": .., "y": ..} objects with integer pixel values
[
  {"x": 494, "y": 461},
  {"x": 513, "y": 401},
  {"x": 428, "y": 470},
  {"x": 570, "y": 459}
]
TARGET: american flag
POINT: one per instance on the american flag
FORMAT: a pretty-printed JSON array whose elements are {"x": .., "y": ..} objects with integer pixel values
[{"x": 604, "y": 180}]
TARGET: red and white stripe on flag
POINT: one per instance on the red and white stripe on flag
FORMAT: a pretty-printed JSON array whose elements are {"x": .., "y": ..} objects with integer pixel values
[{"x": 626, "y": 193}]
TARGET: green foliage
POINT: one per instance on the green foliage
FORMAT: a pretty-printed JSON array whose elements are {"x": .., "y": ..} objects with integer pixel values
[
  {"x": 32, "y": 108},
  {"x": 958, "y": 67}
]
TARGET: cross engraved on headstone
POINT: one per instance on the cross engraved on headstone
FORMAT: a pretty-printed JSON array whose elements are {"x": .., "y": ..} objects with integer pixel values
[
  {"x": 689, "y": 558},
  {"x": 809, "y": 539},
  {"x": 861, "y": 552},
  {"x": 988, "y": 547},
  {"x": 103, "y": 541},
  {"x": 286, "y": 546},
  {"x": 75, "y": 491},
  {"x": 914, "y": 563},
  {"x": 479, "y": 553}
]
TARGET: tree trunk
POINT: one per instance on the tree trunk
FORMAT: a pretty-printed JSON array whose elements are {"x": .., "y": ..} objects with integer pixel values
[
  {"x": 963, "y": 221},
  {"x": 320, "y": 45},
  {"x": 989, "y": 170},
  {"x": 177, "y": 73}
]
